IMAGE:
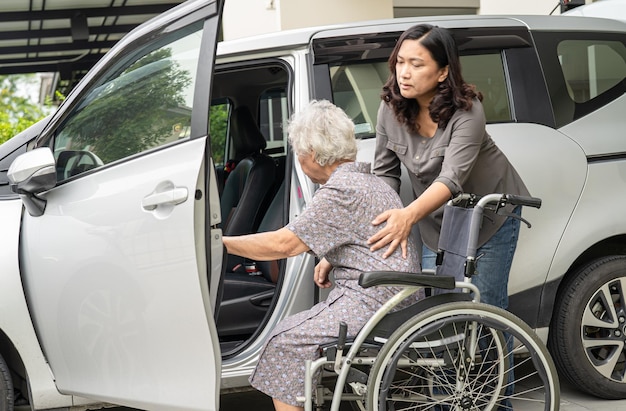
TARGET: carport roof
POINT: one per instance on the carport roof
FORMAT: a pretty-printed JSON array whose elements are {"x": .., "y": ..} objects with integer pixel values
[{"x": 67, "y": 36}]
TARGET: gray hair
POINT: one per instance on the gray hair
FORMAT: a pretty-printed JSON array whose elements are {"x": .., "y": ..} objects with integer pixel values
[{"x": 325, "y": 129}]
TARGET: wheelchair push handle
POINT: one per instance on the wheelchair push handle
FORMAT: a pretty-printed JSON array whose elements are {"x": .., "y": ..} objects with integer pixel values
[
  {"x": 466, "y": 200},
  {"x": 500, "y": 200},
  {"x": 522, "y": 200}
]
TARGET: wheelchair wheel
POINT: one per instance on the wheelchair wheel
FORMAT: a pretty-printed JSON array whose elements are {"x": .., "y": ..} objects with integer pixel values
[{"x": 463, "y": 356}]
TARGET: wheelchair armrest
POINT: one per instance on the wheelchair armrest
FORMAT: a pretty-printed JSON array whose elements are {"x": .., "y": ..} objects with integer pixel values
[{"x": 396, "y": 278}]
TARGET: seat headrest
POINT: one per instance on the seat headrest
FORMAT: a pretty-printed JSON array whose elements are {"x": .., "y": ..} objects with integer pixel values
[{"x": 247, "y": 137}]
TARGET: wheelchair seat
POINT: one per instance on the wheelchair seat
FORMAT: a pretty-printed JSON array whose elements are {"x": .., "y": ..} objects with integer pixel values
[{"x": 394, "y": 320}]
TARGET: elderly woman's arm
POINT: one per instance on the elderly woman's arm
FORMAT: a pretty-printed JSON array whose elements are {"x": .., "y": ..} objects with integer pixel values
[{"x": 272, "y": 245}]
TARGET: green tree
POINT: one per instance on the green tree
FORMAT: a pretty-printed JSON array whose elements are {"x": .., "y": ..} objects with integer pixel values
[
  {"x": 218, "y": 127},
  {"x": 17, "y": 112}
]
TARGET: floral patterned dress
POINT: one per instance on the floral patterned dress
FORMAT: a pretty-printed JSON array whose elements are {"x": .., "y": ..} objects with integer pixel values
[{"x": 335, "y": 226}]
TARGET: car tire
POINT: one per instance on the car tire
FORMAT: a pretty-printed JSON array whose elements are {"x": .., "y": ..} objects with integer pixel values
[
  {"x": 6, "y": 387},
  {"x": 588, "y": 331}
]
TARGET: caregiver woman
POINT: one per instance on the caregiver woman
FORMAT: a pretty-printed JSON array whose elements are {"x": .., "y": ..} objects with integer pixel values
[{"x": 433, "y": 122}]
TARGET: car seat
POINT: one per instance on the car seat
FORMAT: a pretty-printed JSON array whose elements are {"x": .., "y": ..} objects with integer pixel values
[
  {"x": 247, "y": 186},
  {"x": 246, "y": 298}
]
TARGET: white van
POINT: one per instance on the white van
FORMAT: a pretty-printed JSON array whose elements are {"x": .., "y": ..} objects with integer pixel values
[{"x": 114, "y": 285}]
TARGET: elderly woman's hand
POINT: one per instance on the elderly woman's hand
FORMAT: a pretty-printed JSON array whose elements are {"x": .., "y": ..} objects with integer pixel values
[
  {"x": 322, "y": 271},
  {"x": 395, "y": 232}
]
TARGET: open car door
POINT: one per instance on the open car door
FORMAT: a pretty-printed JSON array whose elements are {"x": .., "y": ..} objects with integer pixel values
[{"x": 116, "y": 258}]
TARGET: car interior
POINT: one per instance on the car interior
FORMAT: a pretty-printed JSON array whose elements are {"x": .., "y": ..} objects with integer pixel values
[{"x": 249, "y": 107}]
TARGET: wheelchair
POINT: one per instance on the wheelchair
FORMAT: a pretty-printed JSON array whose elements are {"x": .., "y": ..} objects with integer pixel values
[{"x": 448, "y": 351}]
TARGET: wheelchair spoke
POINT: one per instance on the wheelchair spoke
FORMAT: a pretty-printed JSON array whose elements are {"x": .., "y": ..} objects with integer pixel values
[{"x": 463, "y": 361}]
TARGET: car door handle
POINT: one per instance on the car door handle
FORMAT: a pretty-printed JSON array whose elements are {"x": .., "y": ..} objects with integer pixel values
[
  {"x": 174, "y": 196},
  {"x": 263, "y": 299}
]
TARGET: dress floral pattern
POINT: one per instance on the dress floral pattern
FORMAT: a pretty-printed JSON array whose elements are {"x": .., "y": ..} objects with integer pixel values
[{"x": 335, "y": 226}]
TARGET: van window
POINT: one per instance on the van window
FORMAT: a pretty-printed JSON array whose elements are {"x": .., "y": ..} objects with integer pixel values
[
  {"x": 262, "y": 88},
  {"x": 486, "y": 72},
  {"x": 591, "y": 67},
  {"x": 356, "y": 88},
  {"x": 143, "y": 102},
  {"x": 583, "y": 71},
  {"x": 273, "y": 114},
  {"x": 219, "y": 113}
]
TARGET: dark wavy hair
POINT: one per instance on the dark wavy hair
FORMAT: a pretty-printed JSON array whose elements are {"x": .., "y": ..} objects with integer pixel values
[{"x": 452, "y": 94}]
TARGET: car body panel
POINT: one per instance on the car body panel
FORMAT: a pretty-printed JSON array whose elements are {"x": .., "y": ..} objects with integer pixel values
[
  {"x": 595, "y": 135},
  {"x": 104, "y": 318},
  {"x": 12, "y": 299},
  {"x": 555, "y": 170},
  {"x": 600, "y": 194},
  {"x": 544, "y": 175},
  {"x": 605, "y": 150}
]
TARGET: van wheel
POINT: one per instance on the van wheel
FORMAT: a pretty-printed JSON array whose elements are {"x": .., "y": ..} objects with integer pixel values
[
  {"x": 6, "y": 387},
  {"x": 588, "y": 331}
]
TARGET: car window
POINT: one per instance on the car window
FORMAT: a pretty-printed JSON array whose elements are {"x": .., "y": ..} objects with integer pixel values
[
  {"x": 273, "y": 113},
  {"x": 261, "y": 87},
  {"x": 219, "y": 113},
  {"x": 486, "y": 72},
  {"x": 584, "y": 71},
  {"x": 591, "y": 68},
  {"x": 356, "y": 88},
  {"x": 144, "y": 102}
]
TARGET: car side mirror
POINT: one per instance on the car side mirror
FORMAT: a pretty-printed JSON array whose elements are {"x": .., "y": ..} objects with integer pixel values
[{"x": 31, "y": 174}]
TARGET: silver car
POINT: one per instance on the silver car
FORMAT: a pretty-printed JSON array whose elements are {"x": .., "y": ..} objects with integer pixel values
[{"x": 114, "y": 285}]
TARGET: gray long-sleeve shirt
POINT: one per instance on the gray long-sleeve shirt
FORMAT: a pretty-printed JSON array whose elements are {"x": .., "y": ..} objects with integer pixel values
[{"x": 462, "y": 156}]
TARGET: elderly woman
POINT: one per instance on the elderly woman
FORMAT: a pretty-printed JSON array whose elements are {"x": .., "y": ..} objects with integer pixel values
[{"x": 335, "y": 227}]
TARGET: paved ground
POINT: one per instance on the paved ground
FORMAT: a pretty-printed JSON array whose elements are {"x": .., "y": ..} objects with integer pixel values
[{"x": 571, "y": 400}]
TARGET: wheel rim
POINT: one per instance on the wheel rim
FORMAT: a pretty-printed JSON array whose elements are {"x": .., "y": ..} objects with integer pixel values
[
  {"x": 603, "y": 330},
  {"x": 463, "y": 393}
]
